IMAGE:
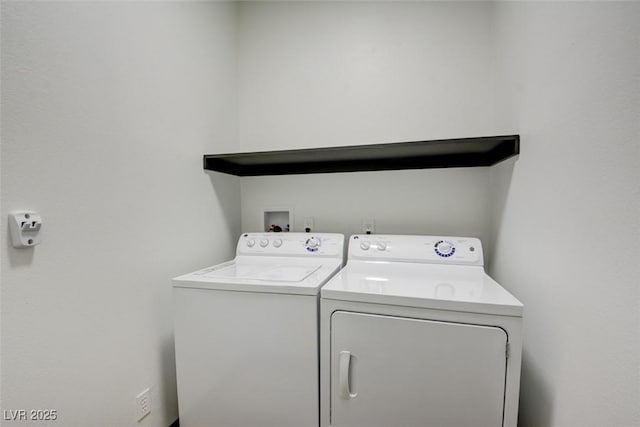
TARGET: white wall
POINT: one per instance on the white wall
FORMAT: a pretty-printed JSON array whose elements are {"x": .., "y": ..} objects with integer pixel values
[
  {"x": 566, "y": 215},
  {"x": 315, "y": 74},
  {"x": 107, "y": 108},
  {"x": 400, "y": 202}
]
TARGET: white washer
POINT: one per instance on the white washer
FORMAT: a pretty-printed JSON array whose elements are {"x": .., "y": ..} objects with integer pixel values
[
  {"x": 246, "y": 332},
  {"x": 415, "y": 333}
]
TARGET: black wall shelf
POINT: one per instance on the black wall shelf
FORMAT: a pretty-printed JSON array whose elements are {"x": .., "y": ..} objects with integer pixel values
[{"x": 442, "y": 153}]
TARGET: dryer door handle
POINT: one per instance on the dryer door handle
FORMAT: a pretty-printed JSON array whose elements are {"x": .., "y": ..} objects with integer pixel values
[{"x": 344, "y": 373}]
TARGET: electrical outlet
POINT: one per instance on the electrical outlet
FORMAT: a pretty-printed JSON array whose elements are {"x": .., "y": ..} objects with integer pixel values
[
  {"x": 368, "y": 226},
  {"x": 143, "y": 404},
  {"x": 308, "y": 225}
]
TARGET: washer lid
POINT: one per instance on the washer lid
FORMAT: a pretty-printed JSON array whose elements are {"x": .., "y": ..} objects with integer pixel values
[
  {"x": 247, "y": 271},
  {"x": 440, "y": 287},
  {"x": 263, "y": 274}
]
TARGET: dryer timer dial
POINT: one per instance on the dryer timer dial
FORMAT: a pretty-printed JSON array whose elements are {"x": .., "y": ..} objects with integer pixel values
[{"x": 444, "y": 248}]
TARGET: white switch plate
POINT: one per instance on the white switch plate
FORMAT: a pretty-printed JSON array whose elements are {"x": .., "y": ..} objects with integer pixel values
[{"x": 143, "y": 404}]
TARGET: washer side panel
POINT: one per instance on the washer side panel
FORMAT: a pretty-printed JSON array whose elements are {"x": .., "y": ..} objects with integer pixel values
[{"x": 246, "y": 359}]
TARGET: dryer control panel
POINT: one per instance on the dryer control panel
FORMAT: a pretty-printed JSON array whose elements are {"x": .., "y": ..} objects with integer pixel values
[
  {"x": 420, "y": 249},
  {"x": 291, "y": 244}
]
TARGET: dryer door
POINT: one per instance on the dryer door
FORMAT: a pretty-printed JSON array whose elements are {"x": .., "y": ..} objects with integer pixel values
[{"x": 399, "y": 372}]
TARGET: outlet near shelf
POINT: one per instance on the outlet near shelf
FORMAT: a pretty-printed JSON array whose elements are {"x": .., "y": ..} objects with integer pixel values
[
  {"x": 309, "y": 226},
  {"x": 368, "y": 226}
]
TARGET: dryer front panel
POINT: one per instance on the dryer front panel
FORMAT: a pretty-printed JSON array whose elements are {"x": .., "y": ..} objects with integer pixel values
[{"x": 403, "y": 372}]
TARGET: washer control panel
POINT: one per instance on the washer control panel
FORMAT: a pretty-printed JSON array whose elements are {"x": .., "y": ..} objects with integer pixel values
[
  {"x": 291, "y": 244},
  {"x": 421, "y": 249}
]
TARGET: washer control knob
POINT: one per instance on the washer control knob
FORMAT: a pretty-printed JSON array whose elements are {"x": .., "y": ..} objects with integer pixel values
[
  {"x": 382, "y": 246},
  {"x": 365, "y": 245},
  {"x": 264, "y": 243},
  {"x": 251, "y": 243},
  {"x": 277, "y": 243},
  {"x": 444, "y": 248},
  {"x": 312, "y": 244}
]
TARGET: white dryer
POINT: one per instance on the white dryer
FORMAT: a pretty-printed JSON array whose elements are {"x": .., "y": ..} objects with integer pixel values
[
  {"x": 415, "y": 333},
  {"x": 246, "y": 333}
]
